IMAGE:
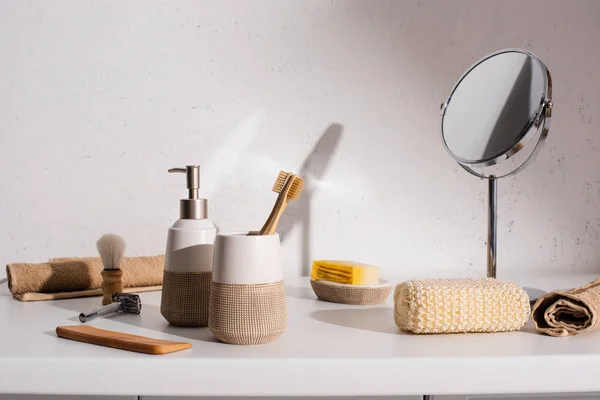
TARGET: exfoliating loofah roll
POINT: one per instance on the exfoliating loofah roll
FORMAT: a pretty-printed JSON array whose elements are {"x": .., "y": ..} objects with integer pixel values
[
  {"x": 350, "y": 294},
  {"x": 247, "y": 313},
  {"x": 571, "y": 312},
  {"x": 460, "y": 305},
  {"x": 185, "y": 298}
]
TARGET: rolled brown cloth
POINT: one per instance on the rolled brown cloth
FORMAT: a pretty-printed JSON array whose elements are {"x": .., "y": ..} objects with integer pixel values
[
  {"x": 63, "y": 278},
  {"x": 568, "y": 313}
]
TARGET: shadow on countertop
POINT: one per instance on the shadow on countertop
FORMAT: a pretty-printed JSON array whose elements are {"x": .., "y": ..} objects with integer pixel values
[
  {"x": 378, "y": 319},
  {"x": 529, "y": 328},
  {"x": 381, "y": 320},
  {"x": 150, "y": 318},
  {"x": 300, "y": 292}
]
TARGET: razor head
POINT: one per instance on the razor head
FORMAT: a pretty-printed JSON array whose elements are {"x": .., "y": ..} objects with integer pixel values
[{"x": 128, "y": 302}]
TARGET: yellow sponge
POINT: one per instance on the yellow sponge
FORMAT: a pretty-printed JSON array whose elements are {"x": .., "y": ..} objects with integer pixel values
[{"x": 347, "y": 272}]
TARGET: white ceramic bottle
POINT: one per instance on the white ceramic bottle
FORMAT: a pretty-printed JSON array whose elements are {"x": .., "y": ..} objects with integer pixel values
[{"x": 189, "y": 259}]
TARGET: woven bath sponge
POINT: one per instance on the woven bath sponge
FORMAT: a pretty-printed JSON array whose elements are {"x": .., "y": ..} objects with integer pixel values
[{"x": 460, "y": 305}]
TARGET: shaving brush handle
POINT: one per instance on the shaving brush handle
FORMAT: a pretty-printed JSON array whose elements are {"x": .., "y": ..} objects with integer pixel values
[{"x": 112, "y": 282}]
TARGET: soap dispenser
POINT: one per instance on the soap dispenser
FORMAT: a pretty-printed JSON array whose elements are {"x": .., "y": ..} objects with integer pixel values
[{"x": 188, "y": 258}]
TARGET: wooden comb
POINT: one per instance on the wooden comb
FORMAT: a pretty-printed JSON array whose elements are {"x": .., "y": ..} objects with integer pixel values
[{"x": 118, "y": 340}]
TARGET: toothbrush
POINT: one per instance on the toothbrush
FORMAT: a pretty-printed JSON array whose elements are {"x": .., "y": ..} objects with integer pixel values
[{"x": 289, "y": 186}]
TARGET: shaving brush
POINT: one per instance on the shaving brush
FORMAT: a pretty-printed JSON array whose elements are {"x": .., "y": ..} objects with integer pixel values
[{"x": 111, "y": 249}]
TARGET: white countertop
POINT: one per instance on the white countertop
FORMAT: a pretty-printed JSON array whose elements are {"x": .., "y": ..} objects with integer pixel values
[{"x": 328, "y": 349}]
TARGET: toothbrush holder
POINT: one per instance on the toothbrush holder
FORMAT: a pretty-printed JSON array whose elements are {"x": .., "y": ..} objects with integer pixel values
[{"x": 247, "y": 297}]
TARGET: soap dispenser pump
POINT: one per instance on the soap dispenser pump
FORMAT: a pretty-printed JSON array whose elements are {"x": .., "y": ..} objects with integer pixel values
[
  {"x": 192, "y": 207},
  {"x": 188, "y": 258}
]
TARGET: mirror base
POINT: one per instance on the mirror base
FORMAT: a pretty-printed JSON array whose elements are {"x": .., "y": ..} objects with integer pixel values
[{"x": 533, "y": 294}]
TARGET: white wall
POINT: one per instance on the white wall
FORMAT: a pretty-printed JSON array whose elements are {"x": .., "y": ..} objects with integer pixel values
[{"x": 99, "y": 98}]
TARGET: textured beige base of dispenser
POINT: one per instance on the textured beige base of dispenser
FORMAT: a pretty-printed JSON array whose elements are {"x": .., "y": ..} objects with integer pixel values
[
  {"x": 247, "y": 314},
  {"x": 185, "y": 298}
]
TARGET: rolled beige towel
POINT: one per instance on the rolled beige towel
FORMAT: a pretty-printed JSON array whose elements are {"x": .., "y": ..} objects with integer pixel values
[
  {"x": 63, "y": 278},
  {"x": 570, "y": 312}
]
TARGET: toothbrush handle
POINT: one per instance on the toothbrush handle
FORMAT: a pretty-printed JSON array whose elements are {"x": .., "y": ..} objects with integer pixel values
[
  {"x": 271, "y": 223},
  {"x": 100, "y": 312},
  {"x": 280, "y": 205}
]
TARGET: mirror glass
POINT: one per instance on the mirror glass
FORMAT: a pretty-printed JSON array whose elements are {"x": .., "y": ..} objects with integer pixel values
[{"x": 493, "y": 105}]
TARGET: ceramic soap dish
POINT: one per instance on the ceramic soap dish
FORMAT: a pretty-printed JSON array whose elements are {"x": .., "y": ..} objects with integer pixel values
[{"x": 367, "y": 295}]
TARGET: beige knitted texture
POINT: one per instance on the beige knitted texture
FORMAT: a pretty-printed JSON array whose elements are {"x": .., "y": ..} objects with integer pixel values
[
  {"x": 349, "y": 294},
  {"x": 460, "y": 305},
  {"x": 568, "y": 313},
  {"x": 185, "y": 297},
  {"x": 247, "y": 314}
]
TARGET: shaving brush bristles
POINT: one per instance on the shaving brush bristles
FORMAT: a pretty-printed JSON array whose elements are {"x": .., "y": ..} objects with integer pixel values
[{"x": 111, "y": 248}]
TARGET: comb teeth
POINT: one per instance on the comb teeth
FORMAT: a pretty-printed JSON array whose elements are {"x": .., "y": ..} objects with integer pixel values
[
  {"x": 296, "y": 189},
  {"x": 280, "y": 181}
]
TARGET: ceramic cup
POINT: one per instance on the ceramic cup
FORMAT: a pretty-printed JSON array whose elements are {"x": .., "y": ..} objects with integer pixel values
[{"x": 247, "y": 298}]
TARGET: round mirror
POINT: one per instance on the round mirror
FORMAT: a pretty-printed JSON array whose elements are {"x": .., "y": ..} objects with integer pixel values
[{"x": 496, "y": 108}]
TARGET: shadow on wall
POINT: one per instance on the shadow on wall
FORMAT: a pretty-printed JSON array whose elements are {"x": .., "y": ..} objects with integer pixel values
[
  {"x": 222, "y": 162},
  {"x": 313, "y": 170}
]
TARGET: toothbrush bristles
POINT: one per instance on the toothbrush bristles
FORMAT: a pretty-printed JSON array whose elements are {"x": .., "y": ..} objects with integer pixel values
[
  {"x": 280, "y": 181},
  {"x": 296, "y": 189}
]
